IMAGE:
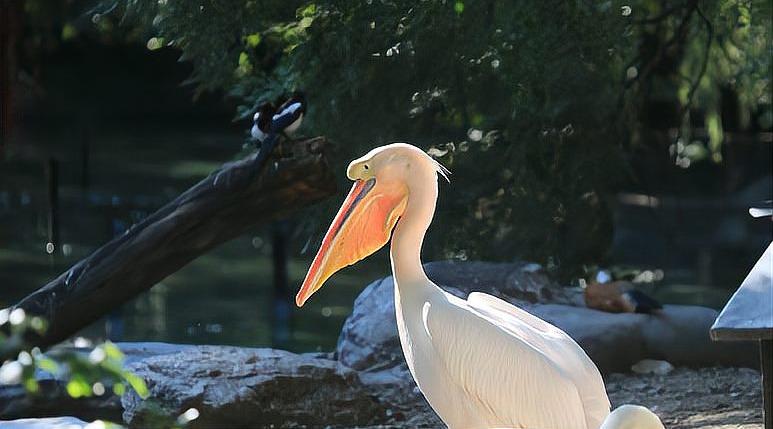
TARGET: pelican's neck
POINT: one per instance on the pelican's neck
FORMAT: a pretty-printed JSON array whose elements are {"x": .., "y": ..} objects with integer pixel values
[{"x": 409, "y": 234}]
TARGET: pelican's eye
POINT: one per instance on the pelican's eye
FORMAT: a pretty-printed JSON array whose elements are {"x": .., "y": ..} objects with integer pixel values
[{"x": 365, "y": 166}]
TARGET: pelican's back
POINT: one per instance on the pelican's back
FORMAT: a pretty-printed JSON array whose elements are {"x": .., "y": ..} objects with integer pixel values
[
  {"x": 517, "y": 369},
  {"x": 556, "y": 345}
]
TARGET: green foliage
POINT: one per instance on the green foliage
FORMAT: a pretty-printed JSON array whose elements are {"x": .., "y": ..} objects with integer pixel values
[
  {"x": 538, "y": 107},
  {"x": 86, "y": 374}
]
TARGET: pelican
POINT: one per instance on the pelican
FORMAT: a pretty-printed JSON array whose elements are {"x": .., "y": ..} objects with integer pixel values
[{"x": 480, "y": 362}]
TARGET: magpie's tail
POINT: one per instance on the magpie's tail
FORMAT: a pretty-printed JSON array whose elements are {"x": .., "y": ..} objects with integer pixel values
[{"x": 641, "y": 302}]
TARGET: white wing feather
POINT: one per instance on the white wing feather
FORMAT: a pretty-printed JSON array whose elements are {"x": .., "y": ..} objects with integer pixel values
[
  {"x": 519, "y": 370},
  {"x": 557, "y": 346}
]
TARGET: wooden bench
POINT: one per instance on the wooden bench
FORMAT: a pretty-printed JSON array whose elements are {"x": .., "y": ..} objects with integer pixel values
[{"x": 748, "y": 316}]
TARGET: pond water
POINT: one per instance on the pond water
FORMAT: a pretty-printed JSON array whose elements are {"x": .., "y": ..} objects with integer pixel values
[{"x": 223, "y": 297}]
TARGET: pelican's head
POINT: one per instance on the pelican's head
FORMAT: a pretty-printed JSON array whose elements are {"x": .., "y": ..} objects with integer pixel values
[{"x": 383, "y": 180}]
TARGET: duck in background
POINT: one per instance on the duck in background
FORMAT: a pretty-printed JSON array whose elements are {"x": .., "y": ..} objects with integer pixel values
[{"x": 617, "y": 296}]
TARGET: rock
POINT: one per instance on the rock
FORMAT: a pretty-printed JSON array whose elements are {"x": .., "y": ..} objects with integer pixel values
[
  {"x": 238, "y": 387},
  {"x": 44, "y": 423},
  {"x": 678, "y": 334},
  {"x": 137, "y": 351},
  {"x": 369, "y": 339},
  {"x": 652, "y": 366},
  {"x": 514, "y": 282},
  {"x": 52, "y": 399},
  {"x": 613, "y": 340}
]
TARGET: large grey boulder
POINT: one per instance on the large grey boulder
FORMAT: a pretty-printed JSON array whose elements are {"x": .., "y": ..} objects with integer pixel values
[
  {"x": 237, "y": 387},
  {"x": 679, "y": 334},
  {"x": 369, "y": 341}
]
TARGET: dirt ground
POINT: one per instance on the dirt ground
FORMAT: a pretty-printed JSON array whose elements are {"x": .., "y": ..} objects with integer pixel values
[{"x": 706, "y": 398}]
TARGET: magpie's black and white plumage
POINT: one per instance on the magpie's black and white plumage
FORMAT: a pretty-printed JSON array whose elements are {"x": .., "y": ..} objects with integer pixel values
[
  {"x": 261, "y": 122},
  {"x": 285, "y": 119},
  {"x": 762, "y": 209},
  {"x": 270, "y": 121},
  {"x": 290, "y": 111}
]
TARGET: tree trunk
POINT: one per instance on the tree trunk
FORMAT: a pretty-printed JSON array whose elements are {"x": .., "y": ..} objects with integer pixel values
[{"x": 215, "y": 210}]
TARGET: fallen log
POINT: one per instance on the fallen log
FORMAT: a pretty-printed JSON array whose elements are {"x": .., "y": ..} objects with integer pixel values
[{"x": 218, "y": 208}]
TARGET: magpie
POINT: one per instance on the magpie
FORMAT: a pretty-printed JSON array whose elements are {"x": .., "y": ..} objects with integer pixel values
[
  {"x": 291, "y": 111},
  {"x": 269, "y": 122},
  {"x": 762, "y": 209},
  {"x": 261, "y": 122}
]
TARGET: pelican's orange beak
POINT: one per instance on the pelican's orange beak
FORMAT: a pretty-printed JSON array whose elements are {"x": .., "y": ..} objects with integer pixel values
[{"x": 363, "y": 225}]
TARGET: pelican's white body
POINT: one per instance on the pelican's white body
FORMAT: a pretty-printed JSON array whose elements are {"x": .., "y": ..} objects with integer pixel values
[
  {"x": 481, "y": 362},
  {"x": 478, "y": 372}
]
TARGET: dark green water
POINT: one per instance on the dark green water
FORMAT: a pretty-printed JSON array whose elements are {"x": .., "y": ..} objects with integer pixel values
[{"x": 223, "y": 297}]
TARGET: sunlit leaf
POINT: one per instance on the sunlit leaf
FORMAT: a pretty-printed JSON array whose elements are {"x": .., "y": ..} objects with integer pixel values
[
  {"x": 437, "y": 153},
  {"x": 309, "y": 10},
  {"x": 78, "y": 387},
  {"x": 155, "y": 43},
  {"x": 47, "y": 365},
  {"x": 305, "y": 22},
  {"x": 31, "y": 385},
  {"x": 69, "y": 32},
  {"x": 138, "y": 384},
  {"x": 38, "y": 324},
  {"x": 112, "y": 351},
  {"x": 253, "y": 40}
]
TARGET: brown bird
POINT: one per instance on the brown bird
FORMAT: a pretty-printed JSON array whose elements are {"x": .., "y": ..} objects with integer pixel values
[{"x": 618, "y": 296}]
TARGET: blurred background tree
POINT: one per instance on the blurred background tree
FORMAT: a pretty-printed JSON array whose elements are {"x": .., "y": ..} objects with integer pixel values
[{"x": 543, "y": 110}]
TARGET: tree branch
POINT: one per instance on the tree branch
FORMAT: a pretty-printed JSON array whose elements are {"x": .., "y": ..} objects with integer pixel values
[{"x": 215, "y": 210}]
